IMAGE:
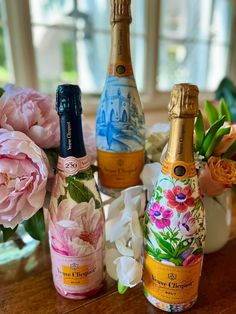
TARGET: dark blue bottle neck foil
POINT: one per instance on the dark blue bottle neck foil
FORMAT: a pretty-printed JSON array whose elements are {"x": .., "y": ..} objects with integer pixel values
[{"x": 72, "y": 142}]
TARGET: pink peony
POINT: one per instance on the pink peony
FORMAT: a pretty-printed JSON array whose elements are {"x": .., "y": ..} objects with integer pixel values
[
  {"x": 76, "y": 230},
  {"x": 208, "y": 185},
  {"x": 90, "y": 142},
  {"x": 28, "y": 111},
  {"x": 23, "y": 178},
  {"x": 227, "y": 140}
]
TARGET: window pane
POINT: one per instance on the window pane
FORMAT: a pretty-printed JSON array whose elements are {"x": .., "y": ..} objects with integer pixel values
[
  {"x": 74, "y": 45},
  {"x": 193, "y": 35},
  {"x": 6, "y": 71}
]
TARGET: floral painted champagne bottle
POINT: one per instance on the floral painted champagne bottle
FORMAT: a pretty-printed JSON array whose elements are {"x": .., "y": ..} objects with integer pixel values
[
  {"x": 76, "y": 224},
  {"x": 120, "y": 118},
  {"x": 175, "y": 220}
]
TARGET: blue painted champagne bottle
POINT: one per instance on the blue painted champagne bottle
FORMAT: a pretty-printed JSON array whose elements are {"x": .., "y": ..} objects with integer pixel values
[{"x": 120, "y": 119}]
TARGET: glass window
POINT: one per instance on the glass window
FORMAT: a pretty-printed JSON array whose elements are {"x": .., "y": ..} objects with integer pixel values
[
  {"x": 194, "y": 42},
  {"x": 72, "y": 42},
  {"x": 6, "y": 72}
]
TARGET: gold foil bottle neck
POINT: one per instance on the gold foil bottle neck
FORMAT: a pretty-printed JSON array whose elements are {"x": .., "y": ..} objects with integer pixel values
[
  {"x": 183, "y": 101},
  {"x": 120, "y": 11}
]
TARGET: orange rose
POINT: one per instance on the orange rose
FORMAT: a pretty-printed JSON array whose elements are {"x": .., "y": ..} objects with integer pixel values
[
  {"x": 222, "y": 170},
  {"x": 209, "y": 186},
  {"x": 227, "y": 140}
]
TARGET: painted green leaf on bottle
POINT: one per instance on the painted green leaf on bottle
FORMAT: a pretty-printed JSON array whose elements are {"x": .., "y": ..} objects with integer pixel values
[
  {"x": 79, "y": 192},
  {"x": 61, "y": 198}
]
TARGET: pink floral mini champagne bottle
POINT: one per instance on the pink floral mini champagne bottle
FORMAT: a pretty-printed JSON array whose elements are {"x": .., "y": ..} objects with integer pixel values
[
  {"x": 174, "y": 222},
  {"x": 76, "y": 224}
]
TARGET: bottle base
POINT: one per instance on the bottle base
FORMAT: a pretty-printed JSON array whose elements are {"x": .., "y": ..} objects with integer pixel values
[
  {"x": 114, "y": 193},
  {"x": 79, "y": 296},
  {"x": 169, "y": 307}
]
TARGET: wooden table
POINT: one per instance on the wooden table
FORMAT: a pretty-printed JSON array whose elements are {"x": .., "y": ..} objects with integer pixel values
[{"x": 26, "y": 287}]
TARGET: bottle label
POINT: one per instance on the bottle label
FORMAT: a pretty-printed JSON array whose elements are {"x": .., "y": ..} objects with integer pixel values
[
  {"x": 77, "y": 274},
  {"x": 76, "y": 228},
  {"x": 174, "y": 234},
  {"x": 120, "y": 170},
  {"x": 179, "y": 170},
  {"x": 120, "y": 119},
  {"x": 171, "y": 284},
  {"x": 72, "y": 165}
]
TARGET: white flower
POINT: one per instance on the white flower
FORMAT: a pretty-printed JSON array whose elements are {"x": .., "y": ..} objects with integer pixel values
[
  {"x": 124, "y": 237},
  {"x": 149, "y": 176},
  {"x": 156, "y": 138},
  {"x": 129, "y": 271}
]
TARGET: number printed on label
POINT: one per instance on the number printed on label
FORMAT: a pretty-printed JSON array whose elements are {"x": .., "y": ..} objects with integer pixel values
[{"x": 70, "y": 165}]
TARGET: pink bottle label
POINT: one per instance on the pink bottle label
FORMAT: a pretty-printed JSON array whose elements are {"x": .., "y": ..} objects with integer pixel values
[
  {"x": 77, "y": 275},
  {"x": 72, "y": 165}
]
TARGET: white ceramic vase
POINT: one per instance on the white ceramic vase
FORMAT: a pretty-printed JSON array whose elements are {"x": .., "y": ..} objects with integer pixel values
[{"x": 218, "y": 221}]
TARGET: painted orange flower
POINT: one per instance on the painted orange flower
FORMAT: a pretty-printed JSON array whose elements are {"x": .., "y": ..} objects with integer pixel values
[{"x": 222, "y": 170}]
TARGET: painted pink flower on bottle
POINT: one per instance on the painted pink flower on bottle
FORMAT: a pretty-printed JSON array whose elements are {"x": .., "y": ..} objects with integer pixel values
[
  {"x": 180, "y": 198},
  {"x": 76, "y": 230},
  {"x": 160, "y": 216},
  {"x": 187, "y": 225},
  {"x": 192, "y": 259}
]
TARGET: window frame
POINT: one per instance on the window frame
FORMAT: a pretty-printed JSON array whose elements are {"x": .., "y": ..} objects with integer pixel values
[{"x": 24, "y": 63}]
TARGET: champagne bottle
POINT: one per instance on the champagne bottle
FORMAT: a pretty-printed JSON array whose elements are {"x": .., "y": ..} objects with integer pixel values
[
  {"x": 120, "y": 118},
  {"x": 76, "y": 222},
  {"x": 175, "y": 220}
]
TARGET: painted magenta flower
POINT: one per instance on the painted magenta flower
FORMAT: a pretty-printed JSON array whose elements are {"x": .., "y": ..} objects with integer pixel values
[
  {"x": 187, "y": 225},
  {"x": 180, "y": 198},
  {"x": 160, "y": 215}
]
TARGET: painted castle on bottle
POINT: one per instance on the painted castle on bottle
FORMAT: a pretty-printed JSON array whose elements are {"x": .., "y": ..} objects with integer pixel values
[{"x": 120, "y": 120}]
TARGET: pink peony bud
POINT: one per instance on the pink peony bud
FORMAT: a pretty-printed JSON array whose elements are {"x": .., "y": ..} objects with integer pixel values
[{"x": 23, "y": 178}]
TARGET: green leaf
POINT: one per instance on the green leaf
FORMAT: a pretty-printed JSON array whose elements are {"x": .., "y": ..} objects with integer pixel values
[
  {"x": 7, "y": 232},
  {"x": 198, "y": 251},
  {"x": 224, "y": 110},
  {"x": 230, "y": 151},
  {"x": 181, "y": 248},
  {"x": 164, "y": 245},
  {"x": 35, "y": 226},
  {"x": 87, "y": 175},
  {"x": 1, "y": 93},
  {"x": 177, "y": 261},
  {"x": 199, "y": 131},
  {"x": 220, "y": 133},
  {"x": 60, "y": 199},
  {"x": 52, "y": 155},
  {"x": 211, "y": 112},
  {"x": 78, "y": 191},
  {"x": 121, "y": 288},
  {"x": 210, "y": 135}
]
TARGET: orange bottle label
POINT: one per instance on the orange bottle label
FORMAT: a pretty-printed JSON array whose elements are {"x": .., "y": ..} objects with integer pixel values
[
  {"x": 120, "y": 69},
  {"x": 171, "y": 284},
  {"x": 179, "y": 170},
  {"x": 120, "y": 170},
  {"x": 75, "y": 277}
]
